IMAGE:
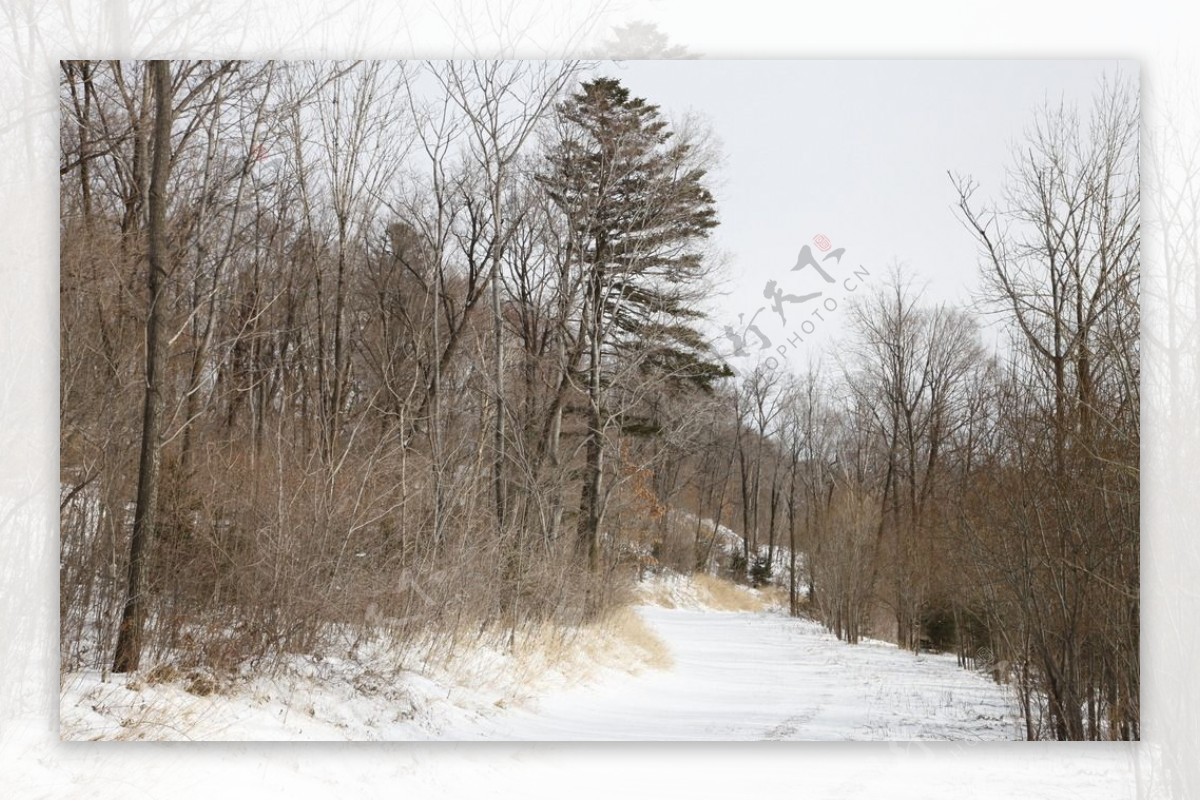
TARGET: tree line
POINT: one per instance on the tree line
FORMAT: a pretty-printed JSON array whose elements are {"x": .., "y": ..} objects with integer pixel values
[
  {"x": 415, "y": 346},
  {"x": 387, "y": 338},
  {"x": 981, "y": 500}
]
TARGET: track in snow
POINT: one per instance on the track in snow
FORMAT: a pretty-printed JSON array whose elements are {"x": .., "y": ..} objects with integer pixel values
[{"x": 743, "y": 676}]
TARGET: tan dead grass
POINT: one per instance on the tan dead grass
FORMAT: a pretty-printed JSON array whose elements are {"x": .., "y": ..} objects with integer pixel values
[
  {"x": 626, "y": 629},
  {"x": 719, "y": 593},
  {"x": 620, "y": 640},
  {"x": 774, "y": 597},
  {"x": 657, "y": 595},
  {"x": 712, "y": 592},
  {"x": 541, "y": 655}
]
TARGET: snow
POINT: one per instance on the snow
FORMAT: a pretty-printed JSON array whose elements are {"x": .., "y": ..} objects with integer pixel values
[
  {"x": 753, "y": 676},
  {"x": 372, "y": 691},
  {"x": 729, "y": 676}
]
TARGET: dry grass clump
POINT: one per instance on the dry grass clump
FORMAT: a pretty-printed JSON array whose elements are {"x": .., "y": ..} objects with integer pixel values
[
  {"x": 627, "y": 630},
  {"x": 706, "y": 591},
  {"x": 776, "y": 597},
  {"x": 620, "y": 639},
  {"x": 537, "y": 656},
  {"x": 657, "y": 594},
  {"x": 719, "y": 593}
]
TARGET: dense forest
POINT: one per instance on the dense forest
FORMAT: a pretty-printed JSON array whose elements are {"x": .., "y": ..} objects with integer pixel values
[{"x": 417, "y": 347}]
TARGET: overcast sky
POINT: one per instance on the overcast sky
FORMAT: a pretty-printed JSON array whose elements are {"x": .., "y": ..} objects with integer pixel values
[{"x": 857, "y": 151}]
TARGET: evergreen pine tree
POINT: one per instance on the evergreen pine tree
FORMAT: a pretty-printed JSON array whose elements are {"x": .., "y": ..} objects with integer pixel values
[{"x": 638, "y": 210}]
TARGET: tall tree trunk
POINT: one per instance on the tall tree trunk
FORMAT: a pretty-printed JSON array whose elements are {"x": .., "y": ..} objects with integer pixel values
[
  {"x": 498, "y": 486},
  {"x": 793, "y": 595},
  {"x": 133, "y": 616},
  {"x": 340, "y": 363},
  {"x": 589, "y": 503}
]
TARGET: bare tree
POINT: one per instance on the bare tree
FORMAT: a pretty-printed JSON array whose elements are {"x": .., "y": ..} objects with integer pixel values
[
  {"x": 1061, "y": 261},
  {"x": 504, "y": 103},
  {"x": 129, "y": 642}
]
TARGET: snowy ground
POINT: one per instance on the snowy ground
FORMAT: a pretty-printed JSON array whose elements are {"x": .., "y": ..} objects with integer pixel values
[
  {"x": 748, "y": 676},
  {"x": 362, "y": 692},
  {"x": 726, "y": 676}
]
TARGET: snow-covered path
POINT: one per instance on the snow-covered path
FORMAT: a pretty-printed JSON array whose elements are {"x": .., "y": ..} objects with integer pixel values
[
  {"x": 745, "y": 676},
  {"x": 735, "y": 676}
]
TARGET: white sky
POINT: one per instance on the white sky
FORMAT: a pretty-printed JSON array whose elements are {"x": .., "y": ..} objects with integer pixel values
[{"x": 857, "y": 151}]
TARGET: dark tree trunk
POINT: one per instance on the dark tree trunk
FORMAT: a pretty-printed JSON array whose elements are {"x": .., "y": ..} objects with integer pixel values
[{"x": 133, "y": 616}]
